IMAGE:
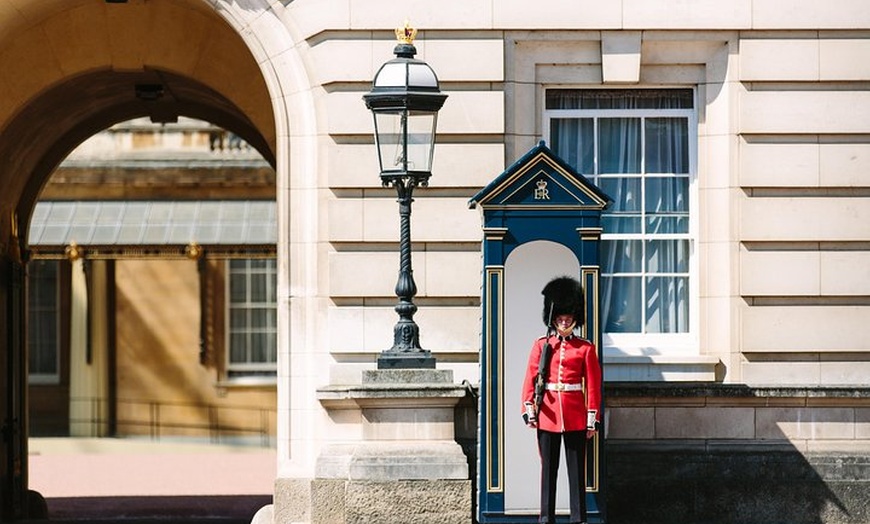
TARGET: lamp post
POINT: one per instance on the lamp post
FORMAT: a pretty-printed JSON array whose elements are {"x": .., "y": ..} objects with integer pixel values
[{"x": 405, "y": 99}]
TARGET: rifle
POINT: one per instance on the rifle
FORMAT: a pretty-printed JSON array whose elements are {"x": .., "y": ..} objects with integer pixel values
[{"x": 543, "y": 367}]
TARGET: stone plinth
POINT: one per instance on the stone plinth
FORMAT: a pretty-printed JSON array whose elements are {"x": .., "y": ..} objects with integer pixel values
[{"x": 407, "y": 467}]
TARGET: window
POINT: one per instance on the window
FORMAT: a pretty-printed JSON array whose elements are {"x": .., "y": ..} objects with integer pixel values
[
  {"x": 638, "y": 147},
  {"x": 43, "y": 321},
  {"x": 253, "y": 317}
]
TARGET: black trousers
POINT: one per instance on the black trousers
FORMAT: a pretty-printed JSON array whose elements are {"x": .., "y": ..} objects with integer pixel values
[{"x": 549, "y": 447}]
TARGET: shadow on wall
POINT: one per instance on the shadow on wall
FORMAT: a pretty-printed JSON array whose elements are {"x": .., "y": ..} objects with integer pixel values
[{"x": 760, "y": 480}]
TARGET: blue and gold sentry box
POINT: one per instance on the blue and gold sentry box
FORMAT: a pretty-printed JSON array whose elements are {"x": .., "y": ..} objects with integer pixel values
[{"x": 541, "y": 219}]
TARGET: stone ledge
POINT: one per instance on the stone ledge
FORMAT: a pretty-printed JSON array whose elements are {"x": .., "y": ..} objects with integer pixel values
[
  {"x": 394, "y": 388},
  {"x": 623, "y": 367},
  {"x": 390, "y": 395},
  {"x": 719, "y": 390}
]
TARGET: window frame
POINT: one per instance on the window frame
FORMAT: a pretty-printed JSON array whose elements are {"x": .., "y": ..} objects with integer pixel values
[
  {"x": 648, "y": 343},
  {"x": 47, "y": 379},
  {"x": 249, "y": 372}
]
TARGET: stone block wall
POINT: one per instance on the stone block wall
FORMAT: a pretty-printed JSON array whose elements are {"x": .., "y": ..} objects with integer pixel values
[
  {"x": 730, "y": 453},
  {"x": 708, "y": 453}
]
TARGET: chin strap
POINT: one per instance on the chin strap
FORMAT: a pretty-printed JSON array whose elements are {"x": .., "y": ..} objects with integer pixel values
[{"x": 567, "y": 331}]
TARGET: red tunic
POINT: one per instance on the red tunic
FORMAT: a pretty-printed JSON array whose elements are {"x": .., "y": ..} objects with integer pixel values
[{"x": 572, "y": 361}]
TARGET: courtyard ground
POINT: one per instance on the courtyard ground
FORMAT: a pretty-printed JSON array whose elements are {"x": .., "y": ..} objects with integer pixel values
[{"x": 106, "y": 478}]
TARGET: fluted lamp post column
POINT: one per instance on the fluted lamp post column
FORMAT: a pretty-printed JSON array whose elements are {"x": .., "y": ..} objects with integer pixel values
[{"x": 405, "y": 100}]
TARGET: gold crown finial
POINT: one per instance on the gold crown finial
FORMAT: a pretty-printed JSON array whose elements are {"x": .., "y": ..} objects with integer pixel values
[
  {"x": 406, "y": 34},
  {"x": 193, "y": 251},
  {"x": 73, "y": 252}
]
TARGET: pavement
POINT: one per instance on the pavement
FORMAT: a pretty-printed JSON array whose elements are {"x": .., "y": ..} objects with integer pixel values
[{"x": 129, "y": 480}]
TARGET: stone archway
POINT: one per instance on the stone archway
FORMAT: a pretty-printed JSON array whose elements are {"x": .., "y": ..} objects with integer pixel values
[{"x": 75, "y": 67}]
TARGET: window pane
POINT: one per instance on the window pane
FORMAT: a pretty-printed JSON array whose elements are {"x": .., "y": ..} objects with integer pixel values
[
  {"x": 621, "y": 223},
  {"x": 667, "y": 195},
  {"x": 667, "y": 256},
  {"x": 619, "y": 145},
  {"x": 624, "y": 214},
  {"x": 667, "y": 205},
  {"x": 622, "y": 304},
  {"x": 667, "y": 145},
  {"x": 667, "y": 300},
  {"x": 621, "y": 256},
  {"x": 260, "y": 318},
  {"x": 272, "y": 290},
  {"x": 238, "y": 288},
  {"x": 238, "y": 319},
  {"x": 625, "y": 192},
  {"x": 258, "y": 347},
  {"x": 663, "y": 225},
  {"x": 271, "y": 348},
  {"x": 238, "y": 348},
  {"x": 258, "y": 287},
  {"x": 573, "y": 140}
]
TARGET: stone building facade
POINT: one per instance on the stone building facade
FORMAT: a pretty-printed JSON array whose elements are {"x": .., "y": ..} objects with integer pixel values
[{"x": 744, "y": 361}]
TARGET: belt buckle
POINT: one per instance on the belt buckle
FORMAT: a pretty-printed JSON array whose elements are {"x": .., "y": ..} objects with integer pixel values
[{"x": 560, "y": 386}]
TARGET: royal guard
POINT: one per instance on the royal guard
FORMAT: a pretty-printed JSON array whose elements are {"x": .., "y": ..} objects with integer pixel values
[{"x": 561, "y": 396}]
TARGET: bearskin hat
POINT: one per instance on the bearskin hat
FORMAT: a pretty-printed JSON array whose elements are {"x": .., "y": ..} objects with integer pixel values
[{"x": 563, "y": 296}]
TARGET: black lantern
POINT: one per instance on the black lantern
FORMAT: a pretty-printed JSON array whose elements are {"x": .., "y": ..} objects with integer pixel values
[{"x": 405, "y": 100}]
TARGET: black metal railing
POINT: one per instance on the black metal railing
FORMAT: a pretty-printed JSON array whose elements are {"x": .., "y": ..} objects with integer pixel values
[{"x": 163, "y": 420}]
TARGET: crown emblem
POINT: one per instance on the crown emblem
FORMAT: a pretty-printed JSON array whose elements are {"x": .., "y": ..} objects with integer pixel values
[
  {"x": 541, "y": 191},
  {"x": 406, "y": 34}
]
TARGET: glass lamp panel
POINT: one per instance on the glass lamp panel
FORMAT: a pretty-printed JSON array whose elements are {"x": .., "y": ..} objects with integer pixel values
[
  {"x": 405, "y": 140},
  {"x": 388, "y": 134},
  {"x": 392, "y": 74},
  {"x": 421, "y": 138},
  {"x": 421, "y": 75}
]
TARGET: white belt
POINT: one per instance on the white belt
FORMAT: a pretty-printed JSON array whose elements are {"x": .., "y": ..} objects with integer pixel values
[{"x": 559, "y": 386}]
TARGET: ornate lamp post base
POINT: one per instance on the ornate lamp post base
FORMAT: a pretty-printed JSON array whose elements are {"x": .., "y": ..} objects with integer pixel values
[{"x": 406, "y": 352}]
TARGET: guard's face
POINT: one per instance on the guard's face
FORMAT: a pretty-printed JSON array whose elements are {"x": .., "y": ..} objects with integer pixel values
[
  {"x": 564, "y": 324},
  {"x": 564, "y": 320}
]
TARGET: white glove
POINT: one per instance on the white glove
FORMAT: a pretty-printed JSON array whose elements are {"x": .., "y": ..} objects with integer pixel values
[
  {"x": 529, "y": 417},
  {"x": 591, "y": 423}
]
